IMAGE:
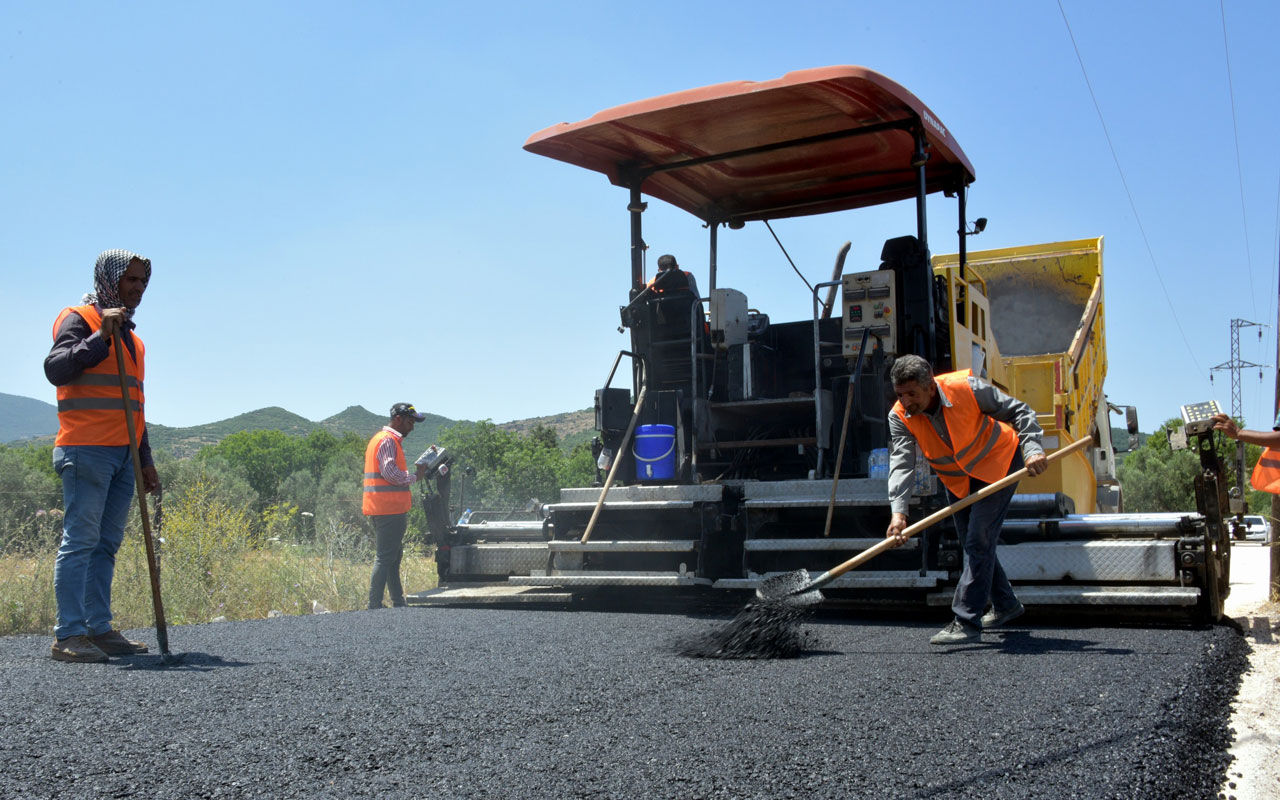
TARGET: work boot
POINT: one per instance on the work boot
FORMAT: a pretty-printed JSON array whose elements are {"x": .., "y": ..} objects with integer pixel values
[
  {"x": 957, "y": 632},
  {"x": 113, "y": 643},
  {"x": 994, "y": 618},
  {"x": 77, "y": 649}
]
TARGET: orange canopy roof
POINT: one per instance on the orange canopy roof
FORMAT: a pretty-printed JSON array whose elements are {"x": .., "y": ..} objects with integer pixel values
[{"x": 810, "y": 142}]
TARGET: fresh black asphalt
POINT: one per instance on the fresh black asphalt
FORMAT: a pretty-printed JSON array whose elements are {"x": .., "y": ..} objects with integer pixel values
[{"x": 431, "y": 703}]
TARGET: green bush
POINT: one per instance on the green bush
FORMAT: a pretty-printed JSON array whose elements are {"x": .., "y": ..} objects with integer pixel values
[{"x": 263, "y": 520}]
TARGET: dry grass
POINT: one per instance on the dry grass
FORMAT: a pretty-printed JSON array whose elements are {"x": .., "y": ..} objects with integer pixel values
[{"x": 212, "y": 565}]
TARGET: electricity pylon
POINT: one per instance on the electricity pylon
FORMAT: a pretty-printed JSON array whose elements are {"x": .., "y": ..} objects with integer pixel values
[{"x": 1237, "y": 408}]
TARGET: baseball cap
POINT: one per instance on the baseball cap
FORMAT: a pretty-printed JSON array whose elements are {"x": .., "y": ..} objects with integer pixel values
[{"x": 407, "y": 410}]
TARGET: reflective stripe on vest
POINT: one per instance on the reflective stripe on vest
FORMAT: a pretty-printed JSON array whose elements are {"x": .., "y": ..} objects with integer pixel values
[
  {"x": 90, "y": 408},
  {"x": 380, "y": 495},
  {"x": 986, "y": 446},
  {"x": 1266, "y": 473}
]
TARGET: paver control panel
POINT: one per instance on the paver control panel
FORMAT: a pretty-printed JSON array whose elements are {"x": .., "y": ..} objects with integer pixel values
[
  {"x": 1198, "y": 416},
  {"x": 870, "y": 303}
]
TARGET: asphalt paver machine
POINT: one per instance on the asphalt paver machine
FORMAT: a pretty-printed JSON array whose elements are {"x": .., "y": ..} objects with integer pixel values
[{"x": 735, "y": 447}]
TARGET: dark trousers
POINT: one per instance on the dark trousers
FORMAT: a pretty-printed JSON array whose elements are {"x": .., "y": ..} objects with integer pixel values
[
  {"x": 982, "y": 580},
  {"x": 389, "y": 541}
]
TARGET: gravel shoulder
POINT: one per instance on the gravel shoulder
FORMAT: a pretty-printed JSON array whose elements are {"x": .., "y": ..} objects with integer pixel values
[
  {"x": 1255, "y": 721},
  {"x": 500, "y": 703}
]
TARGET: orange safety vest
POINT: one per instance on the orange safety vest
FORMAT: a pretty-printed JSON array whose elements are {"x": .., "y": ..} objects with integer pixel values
[
  {"x": 669, "y": 284},
  {"x": 380, "y": 495},
  {"x": 981, "y": 447},
  {"x": 89, "y": 407},
  {"x": 1266, "y": 473}
]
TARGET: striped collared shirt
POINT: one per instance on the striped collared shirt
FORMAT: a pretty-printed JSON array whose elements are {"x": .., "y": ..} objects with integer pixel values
[{"x": 387, "y": 460}]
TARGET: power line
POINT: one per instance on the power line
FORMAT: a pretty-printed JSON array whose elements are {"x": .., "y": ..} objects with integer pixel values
[
  {"x": 1235, "y": 129},
  {"x": 1275, "y": 259},
  {"x": 1132, "y": 205}
]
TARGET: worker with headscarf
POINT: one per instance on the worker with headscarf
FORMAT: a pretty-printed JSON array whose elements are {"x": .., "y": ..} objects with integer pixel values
[{"x": 92, "y": 454}]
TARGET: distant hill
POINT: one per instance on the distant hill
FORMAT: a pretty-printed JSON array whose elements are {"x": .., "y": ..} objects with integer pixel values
[
  {"x": 27, "y": 421},
  {"x": 357, "y": 419},
  {"x": 184, "y": 442},
  {"x": 572, "y": 426},
  {"x": 26, "y": 418}
]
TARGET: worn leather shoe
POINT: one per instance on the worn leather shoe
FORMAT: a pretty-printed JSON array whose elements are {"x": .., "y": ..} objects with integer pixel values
[
  {"x": 113, "y": 643},
  {"x": 957, "y": 632},
  {"x": 994, "y": 618},
  {"x": 77, "y": 649}
]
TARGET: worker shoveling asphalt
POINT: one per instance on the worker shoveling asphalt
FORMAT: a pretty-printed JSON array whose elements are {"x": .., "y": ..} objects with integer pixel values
[{"x": 769, "y": 626}]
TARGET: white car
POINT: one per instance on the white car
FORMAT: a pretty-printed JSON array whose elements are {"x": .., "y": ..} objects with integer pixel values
[{"x": 1257, "y": 527}]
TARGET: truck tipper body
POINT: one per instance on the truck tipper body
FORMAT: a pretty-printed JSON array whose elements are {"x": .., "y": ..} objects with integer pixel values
[{"x": 1044, "y": 312}]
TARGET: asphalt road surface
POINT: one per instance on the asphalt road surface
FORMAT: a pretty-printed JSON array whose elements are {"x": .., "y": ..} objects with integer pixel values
[{"x": 491, "y": 703}]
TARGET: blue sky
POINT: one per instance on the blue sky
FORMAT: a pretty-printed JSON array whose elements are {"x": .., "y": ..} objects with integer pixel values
[{"x": 339, "y": 211}]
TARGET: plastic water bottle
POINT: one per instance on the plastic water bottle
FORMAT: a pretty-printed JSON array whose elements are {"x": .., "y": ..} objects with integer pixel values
[
  {"x": 465, "y": 518},
  {"x": 924, "y": 484},
  {"x": 878, "y": 463}
]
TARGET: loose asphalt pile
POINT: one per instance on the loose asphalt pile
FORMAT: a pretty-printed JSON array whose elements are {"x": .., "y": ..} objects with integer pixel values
[
  {"x": 762, "y": 629},
  {"x": 490, "y": 703}
]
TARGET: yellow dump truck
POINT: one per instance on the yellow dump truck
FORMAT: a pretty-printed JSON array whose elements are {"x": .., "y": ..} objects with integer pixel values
[{"x": 1031, "y": 319}]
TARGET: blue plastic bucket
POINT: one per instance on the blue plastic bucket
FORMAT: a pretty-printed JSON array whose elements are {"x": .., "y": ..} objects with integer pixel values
[{"x": 655, "y": 452}]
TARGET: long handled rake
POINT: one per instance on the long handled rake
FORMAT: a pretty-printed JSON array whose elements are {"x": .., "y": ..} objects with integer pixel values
[{"x": 153, "y": 566}]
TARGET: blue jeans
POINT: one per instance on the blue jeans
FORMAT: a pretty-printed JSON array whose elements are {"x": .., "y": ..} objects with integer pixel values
[
  {"x": 97, "y": 488},
  {"x": 982, "y": 580}
]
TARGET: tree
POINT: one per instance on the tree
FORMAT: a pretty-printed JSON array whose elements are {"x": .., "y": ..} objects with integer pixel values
[
  {"x": 1157, "y": 478},
  {"x": 264, "y": 458},
  {"x": 214, "y": 475},
  {"x": 512, "y": 469},
  {"x": 30, "y": 498}
]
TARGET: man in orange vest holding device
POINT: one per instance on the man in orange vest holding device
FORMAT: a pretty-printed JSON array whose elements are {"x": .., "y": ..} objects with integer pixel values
[
  {"x": 387, "y": 500},
  {"x": 972, "y": 435},
  {"x": 91, "y": 453}
]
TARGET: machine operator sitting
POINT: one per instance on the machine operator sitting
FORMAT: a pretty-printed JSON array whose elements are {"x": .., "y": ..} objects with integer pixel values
[{"x": 671, "y": 278}]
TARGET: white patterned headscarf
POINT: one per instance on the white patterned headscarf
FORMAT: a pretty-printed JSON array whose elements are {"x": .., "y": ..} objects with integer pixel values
[{"x": 106, "y": 278}]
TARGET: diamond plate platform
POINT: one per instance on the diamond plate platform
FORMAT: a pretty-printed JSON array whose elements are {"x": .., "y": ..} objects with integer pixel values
[
  {"x": 707, "y": 493},
  {"x": 1094, "y": 596},
  {"x": 833, "y": 543},
  {"x": 498, "y": 558},
  {"x": 625, "y": 546},
  {"x": 486, "y": 593},
  {"x": 1104, "y": 560},
  {"x": 580, "y": 579}
]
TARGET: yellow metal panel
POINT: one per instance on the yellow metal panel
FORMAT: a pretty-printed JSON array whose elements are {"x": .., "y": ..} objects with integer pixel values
[{"x": 1045, "y": 317}]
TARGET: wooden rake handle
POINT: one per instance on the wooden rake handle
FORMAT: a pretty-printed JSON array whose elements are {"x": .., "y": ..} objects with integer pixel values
[
  {"x": 162, "y": 633},
  {"x": 617, "y": 459},
  {"x": 938, "y": 516}
]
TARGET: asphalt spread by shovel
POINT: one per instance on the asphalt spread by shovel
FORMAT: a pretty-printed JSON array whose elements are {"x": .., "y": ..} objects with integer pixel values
[{"x": 769, "y": 626}]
